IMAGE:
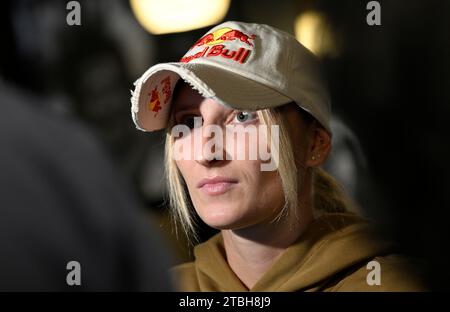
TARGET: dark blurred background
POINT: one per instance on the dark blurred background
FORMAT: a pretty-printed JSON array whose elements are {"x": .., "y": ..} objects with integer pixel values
[{"x": 389, "y": 85}]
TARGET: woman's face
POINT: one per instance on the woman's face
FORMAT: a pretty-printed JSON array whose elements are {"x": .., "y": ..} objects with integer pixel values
[{"x": 227, "y": 194}]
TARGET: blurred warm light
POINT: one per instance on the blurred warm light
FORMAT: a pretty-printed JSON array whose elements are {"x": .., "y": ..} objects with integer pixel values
[
  {"x": 168, "y": 16},
  {"x": 312, "y": 30}
]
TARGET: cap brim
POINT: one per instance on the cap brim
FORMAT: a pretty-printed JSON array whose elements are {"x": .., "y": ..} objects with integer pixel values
[{"x": 225, "y": 86}]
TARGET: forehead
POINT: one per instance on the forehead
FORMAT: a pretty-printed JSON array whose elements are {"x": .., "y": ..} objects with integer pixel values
[{"x": 187, "y": 98}]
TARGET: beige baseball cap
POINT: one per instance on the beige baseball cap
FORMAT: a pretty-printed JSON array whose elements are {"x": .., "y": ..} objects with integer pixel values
[{"x": 240, "y": 65}]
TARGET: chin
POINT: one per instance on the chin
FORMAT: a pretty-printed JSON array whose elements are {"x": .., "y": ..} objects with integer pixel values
[
  {"x": 227, "y": 222},
  {"x": 222, "y": 218},
  {"x": 220, "y": 223}
]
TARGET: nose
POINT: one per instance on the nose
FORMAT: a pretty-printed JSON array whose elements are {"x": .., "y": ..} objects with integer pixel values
[{"x": 209, "y": 145}]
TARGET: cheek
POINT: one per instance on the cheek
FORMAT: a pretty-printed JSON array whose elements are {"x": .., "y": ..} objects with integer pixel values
[
  {"x": 186, "y": 169},
  {"x": 250, "y": 144},
  {"x": 270, "y": 191},
  {"x": 263, "y": 190}
]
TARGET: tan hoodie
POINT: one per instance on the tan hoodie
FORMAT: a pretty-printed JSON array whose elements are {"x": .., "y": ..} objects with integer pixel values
[{"x": 331, "y": 255}]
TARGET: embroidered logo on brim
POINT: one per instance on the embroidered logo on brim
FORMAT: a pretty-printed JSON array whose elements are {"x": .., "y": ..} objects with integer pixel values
[{"x": 158, "y": 95}]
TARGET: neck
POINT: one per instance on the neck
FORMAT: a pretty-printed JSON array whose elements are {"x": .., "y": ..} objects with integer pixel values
[{"x": 252, "y": 250}]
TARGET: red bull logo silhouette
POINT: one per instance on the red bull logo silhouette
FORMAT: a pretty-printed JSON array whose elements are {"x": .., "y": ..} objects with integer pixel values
[
  {"x": 166, "y": 89},
  {"x": 155, "y": 101}
]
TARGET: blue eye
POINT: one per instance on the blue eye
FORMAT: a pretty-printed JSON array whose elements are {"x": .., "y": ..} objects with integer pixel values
[{"x": 242, "y": 117}]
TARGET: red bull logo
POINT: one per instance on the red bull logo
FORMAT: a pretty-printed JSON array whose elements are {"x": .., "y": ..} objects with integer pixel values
[
  {"x": 154, "y": 104},
  {"x": 213, "y": 46},
  {"x": 223, "y": 34}
]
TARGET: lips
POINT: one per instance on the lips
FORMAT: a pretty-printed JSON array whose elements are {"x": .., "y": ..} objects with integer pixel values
[{"x": 216, "y": 185}]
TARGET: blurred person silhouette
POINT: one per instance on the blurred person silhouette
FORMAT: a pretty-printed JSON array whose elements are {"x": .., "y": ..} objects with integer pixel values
[
  {"x": 61, "y": 201},
  {"x": 80, "y": 70},
  {"x": 62, "y": 198}
]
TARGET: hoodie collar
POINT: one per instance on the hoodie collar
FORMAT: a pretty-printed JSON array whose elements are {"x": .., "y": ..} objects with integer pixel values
[{"x": 331, "y": 243}]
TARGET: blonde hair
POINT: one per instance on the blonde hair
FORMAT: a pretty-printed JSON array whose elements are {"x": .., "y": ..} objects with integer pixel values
[{"x": 328, "y": 196}]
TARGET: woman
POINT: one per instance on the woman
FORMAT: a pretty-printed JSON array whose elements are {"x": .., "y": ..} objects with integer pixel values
[{"x": 283, "y": 221}]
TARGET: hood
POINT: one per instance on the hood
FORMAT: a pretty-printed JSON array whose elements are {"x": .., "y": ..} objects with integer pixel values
[{"x": 332, "y": 245}]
